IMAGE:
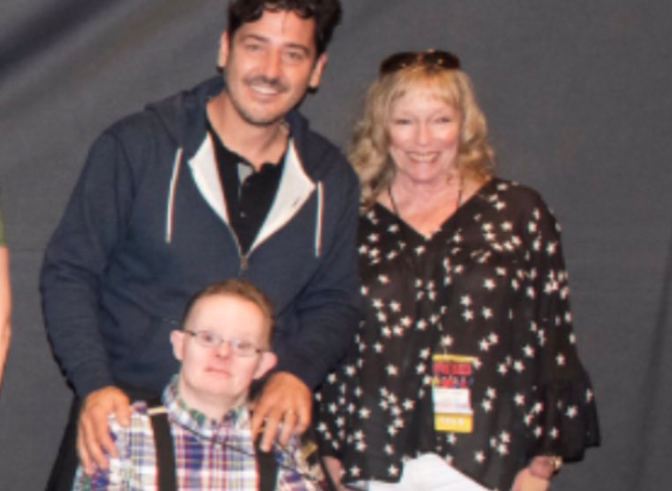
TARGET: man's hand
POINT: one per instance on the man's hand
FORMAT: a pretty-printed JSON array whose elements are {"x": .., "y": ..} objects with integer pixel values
[
  {"x": 93, "y": 433},
  {"x": 284, "y": 399}
]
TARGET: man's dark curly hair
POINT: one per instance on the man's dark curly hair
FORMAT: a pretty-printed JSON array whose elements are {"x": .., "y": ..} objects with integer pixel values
[{"x": 327, "y": 15}]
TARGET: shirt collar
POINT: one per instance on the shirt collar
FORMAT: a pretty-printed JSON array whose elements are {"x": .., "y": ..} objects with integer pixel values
[{"x": 195, "y": 421}]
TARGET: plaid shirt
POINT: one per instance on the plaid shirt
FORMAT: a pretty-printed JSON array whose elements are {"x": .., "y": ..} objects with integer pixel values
[{"x": 209, "y": 454}]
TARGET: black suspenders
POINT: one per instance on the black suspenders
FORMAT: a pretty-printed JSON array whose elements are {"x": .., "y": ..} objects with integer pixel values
[
  {"x": 165, "y": 454},
  {"x": 266, "y": 466}
]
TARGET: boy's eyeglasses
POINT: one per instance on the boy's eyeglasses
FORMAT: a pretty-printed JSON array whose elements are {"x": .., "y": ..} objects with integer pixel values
[
  {"x": 431, "y": 58},
  {"x": 239, "y": 347}
]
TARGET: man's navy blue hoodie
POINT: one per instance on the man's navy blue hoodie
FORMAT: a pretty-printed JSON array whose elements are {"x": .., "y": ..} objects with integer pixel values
[{"x": 146, "y": 227}]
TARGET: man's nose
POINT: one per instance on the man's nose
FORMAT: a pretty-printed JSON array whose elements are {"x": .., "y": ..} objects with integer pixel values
[
  {"x": 224, "y": 349},
  {"x": 273, "y": 64}
]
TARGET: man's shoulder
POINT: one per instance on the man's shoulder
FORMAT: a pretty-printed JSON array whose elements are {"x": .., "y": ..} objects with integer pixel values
[
  {"x": 324, "y": 161},
  {"x": 178, "y": 116},
  {"x": 135, "y": 125},
  {"x": 318, "y": 153}
]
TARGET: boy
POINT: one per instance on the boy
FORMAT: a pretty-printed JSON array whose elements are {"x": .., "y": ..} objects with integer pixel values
[{"x": 223, "y": 346}]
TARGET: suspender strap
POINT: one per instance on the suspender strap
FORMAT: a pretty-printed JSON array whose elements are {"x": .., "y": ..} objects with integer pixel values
[
  {"x": 268, "y": 467},
  {"x": 165, "y": 453}
]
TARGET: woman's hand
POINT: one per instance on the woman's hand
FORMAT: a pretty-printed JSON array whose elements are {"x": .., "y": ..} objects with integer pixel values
[
  {"x": 538, "y": 474},
  {"x": 335, "y": 470},
  {"x": 526, "y": 481}
]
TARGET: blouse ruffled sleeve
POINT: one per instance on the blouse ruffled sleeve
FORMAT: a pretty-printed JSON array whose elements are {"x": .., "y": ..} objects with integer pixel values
[{"x": 562, "y": 416}]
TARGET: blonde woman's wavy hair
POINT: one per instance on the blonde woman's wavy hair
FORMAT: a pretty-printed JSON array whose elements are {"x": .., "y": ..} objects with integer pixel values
[{"x": 369, "y": 152}]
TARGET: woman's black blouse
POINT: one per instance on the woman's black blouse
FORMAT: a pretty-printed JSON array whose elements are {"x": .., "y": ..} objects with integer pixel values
[{"x": 490, "y": 286}]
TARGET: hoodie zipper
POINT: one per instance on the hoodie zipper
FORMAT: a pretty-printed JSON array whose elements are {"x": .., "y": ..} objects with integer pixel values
[
  {"x": 243, "y": 258},
  {"x": 177, "y": 163},
  {"x": 319, "y": 217},
  {"x": 243, "y": 264}
]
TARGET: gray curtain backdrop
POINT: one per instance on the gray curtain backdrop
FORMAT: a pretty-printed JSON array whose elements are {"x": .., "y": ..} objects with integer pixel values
[{"x": 578, "y": 98}]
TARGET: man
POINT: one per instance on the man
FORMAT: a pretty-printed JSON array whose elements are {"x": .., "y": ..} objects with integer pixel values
[
  {"x": 224, "y": 345},
  {"x": 222, "y": 181}
]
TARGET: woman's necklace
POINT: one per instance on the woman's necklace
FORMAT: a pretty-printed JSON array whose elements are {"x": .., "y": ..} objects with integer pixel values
[
  {"x": 409, "y": 254},
  {"x": 458, "y": 202}
]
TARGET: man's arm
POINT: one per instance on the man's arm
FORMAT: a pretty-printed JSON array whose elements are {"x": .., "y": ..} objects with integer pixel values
[
  {"x": 75, "y": 261},
  {"x": 329, "y": 307},
  {"x": 329, "y": 312}
]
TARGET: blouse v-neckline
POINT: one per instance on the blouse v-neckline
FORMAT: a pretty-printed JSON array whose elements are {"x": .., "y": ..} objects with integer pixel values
[{"x": 419, "y": 236}]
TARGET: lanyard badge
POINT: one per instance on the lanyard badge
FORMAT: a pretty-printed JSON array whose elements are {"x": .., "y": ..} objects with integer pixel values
[{"x": 453, "y": 378}]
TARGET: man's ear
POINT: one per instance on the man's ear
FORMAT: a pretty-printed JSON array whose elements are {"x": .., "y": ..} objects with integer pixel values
[
  {"x": 318, "y": 70},
  {"x": 177, "y": 340},
  {"x": 267, "y": 361},
  {"x": 223, "y": 56}
]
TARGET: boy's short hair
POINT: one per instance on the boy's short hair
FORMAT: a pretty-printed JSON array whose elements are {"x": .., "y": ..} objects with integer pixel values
[
  {"x": 239, "y": 289},
  {"x": 327, "y": 15}
]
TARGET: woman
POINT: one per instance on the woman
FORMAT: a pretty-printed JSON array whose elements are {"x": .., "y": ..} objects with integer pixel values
[
  {"x": 5, "y": 302},
  {"x": 466, "y": 355}
]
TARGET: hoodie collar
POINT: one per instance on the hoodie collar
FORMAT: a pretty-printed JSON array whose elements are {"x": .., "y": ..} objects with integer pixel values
[
  {"x": 294, "y": 189},
  {"x": 184, "y": 115}
]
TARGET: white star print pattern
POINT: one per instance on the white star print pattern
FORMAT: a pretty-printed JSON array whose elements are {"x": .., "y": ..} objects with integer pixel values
[{"x": 491, "y": 285}]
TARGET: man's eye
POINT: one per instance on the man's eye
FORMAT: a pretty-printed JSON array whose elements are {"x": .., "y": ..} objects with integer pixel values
[
  {"x": 253, "y": 47},
  {"x": 295, "y": 56},
  {"x": 245, "y": 345},
  {"x": 208, "y": 337}
]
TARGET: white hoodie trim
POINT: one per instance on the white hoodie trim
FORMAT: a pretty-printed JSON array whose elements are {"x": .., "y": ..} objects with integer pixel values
[
  {"x": 294, "y": 190},
  {"x": 170, "y": 213},
  {"x": 206, "y": 175},
  {"x": 319, "y": 219}
]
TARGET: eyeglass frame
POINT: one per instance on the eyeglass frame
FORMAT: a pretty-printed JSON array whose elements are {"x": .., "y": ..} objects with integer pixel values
[
  {"x": 233, "y": 343},
  {"x": 432, "y": 58}
]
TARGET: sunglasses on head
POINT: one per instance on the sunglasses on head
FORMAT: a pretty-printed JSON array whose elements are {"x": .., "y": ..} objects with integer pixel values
[{"x": 431, "y": 58}]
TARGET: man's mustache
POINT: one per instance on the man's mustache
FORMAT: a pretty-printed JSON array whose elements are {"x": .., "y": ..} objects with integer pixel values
[{"x": 273, "y": 83}]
